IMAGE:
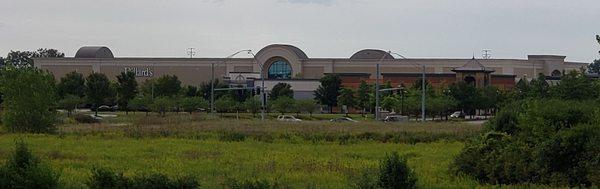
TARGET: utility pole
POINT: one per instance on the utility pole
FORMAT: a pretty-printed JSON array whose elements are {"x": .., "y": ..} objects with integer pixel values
[
  {"x": 190, "y": 51},
  {"x": 423, "y": 96},
  {"x": 377, "y": 94},
  {"x": 212, "y": 89},
  {"x": 487, "y": 53}
]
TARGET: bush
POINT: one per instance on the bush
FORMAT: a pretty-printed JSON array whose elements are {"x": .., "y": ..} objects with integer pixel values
[
  {"x": 366, "y": 180},
  {"x": 84, "y": 118},
  {"x": 395, "y": 173},
  {"x": 545, "y": 142},
  {"x": 24, "y": 170},
  {"x": 103, "y": 178},
  {"x": 251, "y": 184},
  {"x": 505, "y": 121}
]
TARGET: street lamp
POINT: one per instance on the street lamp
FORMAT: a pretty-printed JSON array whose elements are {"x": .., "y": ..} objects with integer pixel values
[
  {"x": 262, "y": 90},
  {"x": 212, "y": 79},
  {"x": 422, "y": 86}
]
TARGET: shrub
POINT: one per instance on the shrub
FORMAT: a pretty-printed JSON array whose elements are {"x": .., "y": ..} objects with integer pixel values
[
  {"x": 250, "y": 184},
  {"x": 395, "y": 173},
  {"x": 103, "y": 178},
  {"x": 84, "y": 118},
  {"x": 160, "y": 181},
  {"x": 24, "y": 170},
  {"x": 505, "y": 121},
  {"x": 549, "y": 142}
]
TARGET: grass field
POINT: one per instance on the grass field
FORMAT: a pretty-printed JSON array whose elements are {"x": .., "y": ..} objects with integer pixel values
[{"x": 312, "y": 154}]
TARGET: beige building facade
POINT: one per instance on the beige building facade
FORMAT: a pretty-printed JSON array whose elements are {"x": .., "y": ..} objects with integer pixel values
[{"x": 287, "y": 63}]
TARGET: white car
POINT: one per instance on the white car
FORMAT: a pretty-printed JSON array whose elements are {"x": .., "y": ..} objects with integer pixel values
[
  {"x": 288, "y": 118},
  {"x": 457, "y": 114},
  {"x": 342, "y": 119}
]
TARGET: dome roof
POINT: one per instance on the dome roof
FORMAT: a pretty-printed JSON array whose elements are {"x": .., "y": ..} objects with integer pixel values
[
  {"x": 297, "y": 51},
  {"x": 94, "y": 52},
  {"x": 371, "y": 54}
]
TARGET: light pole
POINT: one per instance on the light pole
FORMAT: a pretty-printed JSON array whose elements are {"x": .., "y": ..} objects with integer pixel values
[
  {"x": 262, "y": 90},
  {"x": 422, "y": 86},
  {"x": 212, "y": 79}
]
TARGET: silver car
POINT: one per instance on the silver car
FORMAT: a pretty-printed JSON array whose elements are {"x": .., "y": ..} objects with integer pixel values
[{"x": 288, "y": 118}]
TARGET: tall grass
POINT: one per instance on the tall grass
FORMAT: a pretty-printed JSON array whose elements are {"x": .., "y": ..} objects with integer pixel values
[
  {"x": 215, "y": 163},
  {"x": 269, "y": 131}
]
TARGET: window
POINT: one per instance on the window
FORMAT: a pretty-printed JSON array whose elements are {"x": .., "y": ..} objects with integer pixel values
[
  {"x": 280, "y": 69},
  {"x": 556, "y": 73}
]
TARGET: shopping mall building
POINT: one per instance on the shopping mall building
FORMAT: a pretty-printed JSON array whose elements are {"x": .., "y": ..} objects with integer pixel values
[{"x": 289, "y": 64}]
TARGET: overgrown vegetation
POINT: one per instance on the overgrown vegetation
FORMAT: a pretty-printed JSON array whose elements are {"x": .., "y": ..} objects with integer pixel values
[
  {"x": 24, "y": 170},
  {"x": 537, "y": 141},
  {"x": 103, "y": 178},
  {"x": 29, "y": 97}
]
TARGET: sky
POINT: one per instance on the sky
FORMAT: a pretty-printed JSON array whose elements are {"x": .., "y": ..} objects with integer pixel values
[{"x": 322, "y": 28}]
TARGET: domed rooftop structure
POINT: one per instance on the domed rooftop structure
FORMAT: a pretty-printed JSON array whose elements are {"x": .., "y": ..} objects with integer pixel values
[
  {"x": 94, "y": 52},
  {"x": 297, "y": 51},
  {"x": 371, "y": 54}
]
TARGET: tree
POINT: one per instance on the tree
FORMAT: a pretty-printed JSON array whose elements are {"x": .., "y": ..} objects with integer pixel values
[
  {"x": 25, "y": 58},
  {"x": 466, "y": 95},
  {"x": 72, "y": 83},
  {"x": 190, "y": 91},
  {"x": 162, "y": 104},
  {"x": 280, "y": 90},
  {"x": 594, "y": 67},
  {"x": 140, "y": 103},
  {"x": 390, "y": 103},
  {"x": 205, "y": 89},
  {"x": 575, "y": 86},
  {"x": 387, "y": 85},
  {"x": 253, "y": 105},
  {"x": 363, "y": 98},
  {"x": 539, "y": 88},
  {"x": 191, "y": 104},
  {"x": 329, "y": 90},
  {"x": 346, "y": 98},
  {"x": 418, "y": 84},
  {"x": 283, "y": 104},
  {"x": 70, "y": 103},
  {"x": 126, "y": 89},
  {"x": 97, "y": 89},
  {"x": 147, "y": 87},
  {"x": 29, "y": 97},
  {"x": 490, "y": 96},
  {"x": 240, "y": 95},
  {"x": 167, "y": 85},
  {"x": 224, "y": 104},
  {"x": 19, "y": 59},
  {"x": 48, "y": 53},
  {"x": 307, "y": 105}
]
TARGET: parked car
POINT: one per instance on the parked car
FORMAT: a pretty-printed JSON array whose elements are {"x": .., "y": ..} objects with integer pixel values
[
  {"x": 104, "y": 108},
  {"x": 457, "y": 114},
  {"x": 288, "y": 118},
  {"x": 396, "y": 118},
  {"x": 342, "y": 119}
]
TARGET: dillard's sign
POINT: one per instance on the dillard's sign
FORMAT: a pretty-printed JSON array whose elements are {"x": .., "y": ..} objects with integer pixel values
[{"x": 140, "y": 72}]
